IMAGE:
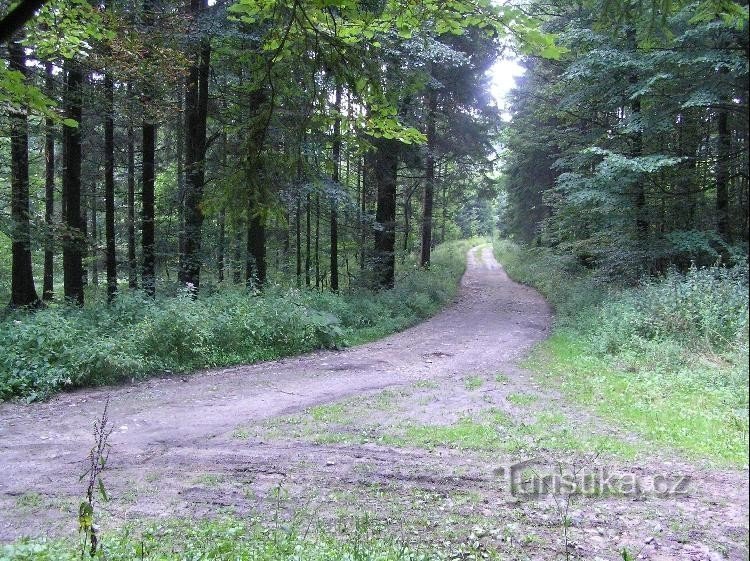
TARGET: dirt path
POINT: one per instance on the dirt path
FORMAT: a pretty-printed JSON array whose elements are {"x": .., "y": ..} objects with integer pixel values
[{"x": 221, "y": 440}]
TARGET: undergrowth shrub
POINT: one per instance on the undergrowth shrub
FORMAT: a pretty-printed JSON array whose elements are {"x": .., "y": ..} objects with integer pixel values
[
  {"x": 705, "y": 309},
  {"x": 65, "y": 347}
]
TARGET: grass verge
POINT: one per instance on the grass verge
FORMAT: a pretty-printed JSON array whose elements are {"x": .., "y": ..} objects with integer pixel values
[
  {"x": 667, "y": 359},
  {"x": 64, "y": 347},
  {"x": 228, "y": 538}
]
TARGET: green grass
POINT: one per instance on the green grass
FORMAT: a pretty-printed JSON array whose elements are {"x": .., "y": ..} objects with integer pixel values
[
  {"x": 698, "y": 419},
  {"x": 30, "y": 501},
  {"x": 497, "y": 432},
  {"x": 335, "y": 413},
  {"x": 241, "y": 433},
  {"x": 425, "y": 385},
  {"x": 209, "y": 480},
  {"x": 65, "y": 347},
  {"x": 229, "y": 538},
  {"x": 473, "y": 383},
  {"x": 491, "y": 430},
  {"x": 667, "y": 360},
  {"x": 521, "y": 398}
]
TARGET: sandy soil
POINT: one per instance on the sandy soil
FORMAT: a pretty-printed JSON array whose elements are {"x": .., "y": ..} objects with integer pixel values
[{"x": 222, "y": 440}]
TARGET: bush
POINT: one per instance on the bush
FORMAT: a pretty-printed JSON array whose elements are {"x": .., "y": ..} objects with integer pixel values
[
  {"x": 704, "y": 309},
  {"x": 65, "y": 347}
]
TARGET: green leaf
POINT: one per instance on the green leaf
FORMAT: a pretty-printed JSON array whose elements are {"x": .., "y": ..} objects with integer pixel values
[{"x": 102, "y": 490}]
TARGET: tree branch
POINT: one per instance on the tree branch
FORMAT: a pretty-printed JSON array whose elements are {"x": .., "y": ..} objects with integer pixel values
[{"x": 17, "y": 17}]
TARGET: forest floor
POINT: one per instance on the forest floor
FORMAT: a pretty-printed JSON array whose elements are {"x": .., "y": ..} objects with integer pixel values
[{"x": 426, "y": 431}]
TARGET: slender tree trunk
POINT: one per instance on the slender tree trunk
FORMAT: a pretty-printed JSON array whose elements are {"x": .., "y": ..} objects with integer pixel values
[
  {"x": 132, "y": 262},
  {"x": 429, "y": 182},
  {"x": 688, "y": 141},
  {"x": 196, "y": 101},
  {"x": 298, "y": 239},
  {"x": 639, "y": 193},
  {"x": 308, "y": 238},
  {"x": 256, "y": 268},
  {"x": 317, "y": 241},
  {"x": 255, "y": 273},
  {"x": 74, "y": 237},
  {"x": 287, "y": 241},
  {"x": 180, "y": 172},
  {"x": 641, "y": 222},
  {"x": 93, "y": 196},
  {"x": 148, "y": 158},
  {"x": 723, "y": 150},
  {"x": 407, "y": 220},
  {"x": 148, "y": 271},
  {"x": 444, "y": 221},
  {"x": 386, "y": 168},
  {"x": 336, "y": 157},
  {"x": 48, "y": 288},
  {"x": 363, "y": 179},
  {"x": 237, "y": 258},
  {"x": 23, "y": 291},
  {"x": 109, "y": 190},
  {"x": 222, "y": 243}
]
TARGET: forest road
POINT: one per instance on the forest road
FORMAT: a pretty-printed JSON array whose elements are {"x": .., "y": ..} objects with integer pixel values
[{"x": 176, "y": 425}]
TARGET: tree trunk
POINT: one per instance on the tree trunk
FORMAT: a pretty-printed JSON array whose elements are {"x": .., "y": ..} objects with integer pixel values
[
  {"x": 722, "y": 176},
  {"x": 196, "y": 110},
  {"x": 94, "y": 235},
  {"x": 109, "y": 190},
  {"x": 148, "y": 271},
  {"x": 317, "y": 241},
  {"x": 639, "y": 193},
  {"x": 255, "y": 272},
  {"x": 132, "y": 262},
  {"x": 336, "y": 157},
  {"x": 180, "y": 172},
  {"x": 74, "y": 237},
  {"x": 48, "y": 289},
  {"x": 148, "y": 159},
  {"x": 363, "y": 179},
  {"x": 222, "y": 243},
  {"x": 429, "y": 182},
  {"x": 407, "y": 220},
  {"x": 641, "y": 222},
  {"x": 308, "y": 238},
  {"x": 444, "y": 199},
  {"x": 386, "y": 168},
  {"x": 23, "y": 291},
  {"x": 298, "y": 239},
  {"x": 237, "y": 257}
]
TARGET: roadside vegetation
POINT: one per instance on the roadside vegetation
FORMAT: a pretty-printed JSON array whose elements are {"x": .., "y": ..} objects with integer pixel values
[
  {"x": 228, "y": 538},
  {"x": 666, "y": 358},
  {"x": 135, "y": 336}
]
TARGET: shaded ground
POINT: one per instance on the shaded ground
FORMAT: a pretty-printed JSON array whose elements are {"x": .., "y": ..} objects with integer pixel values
[{"x": 411, "y": 429}]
